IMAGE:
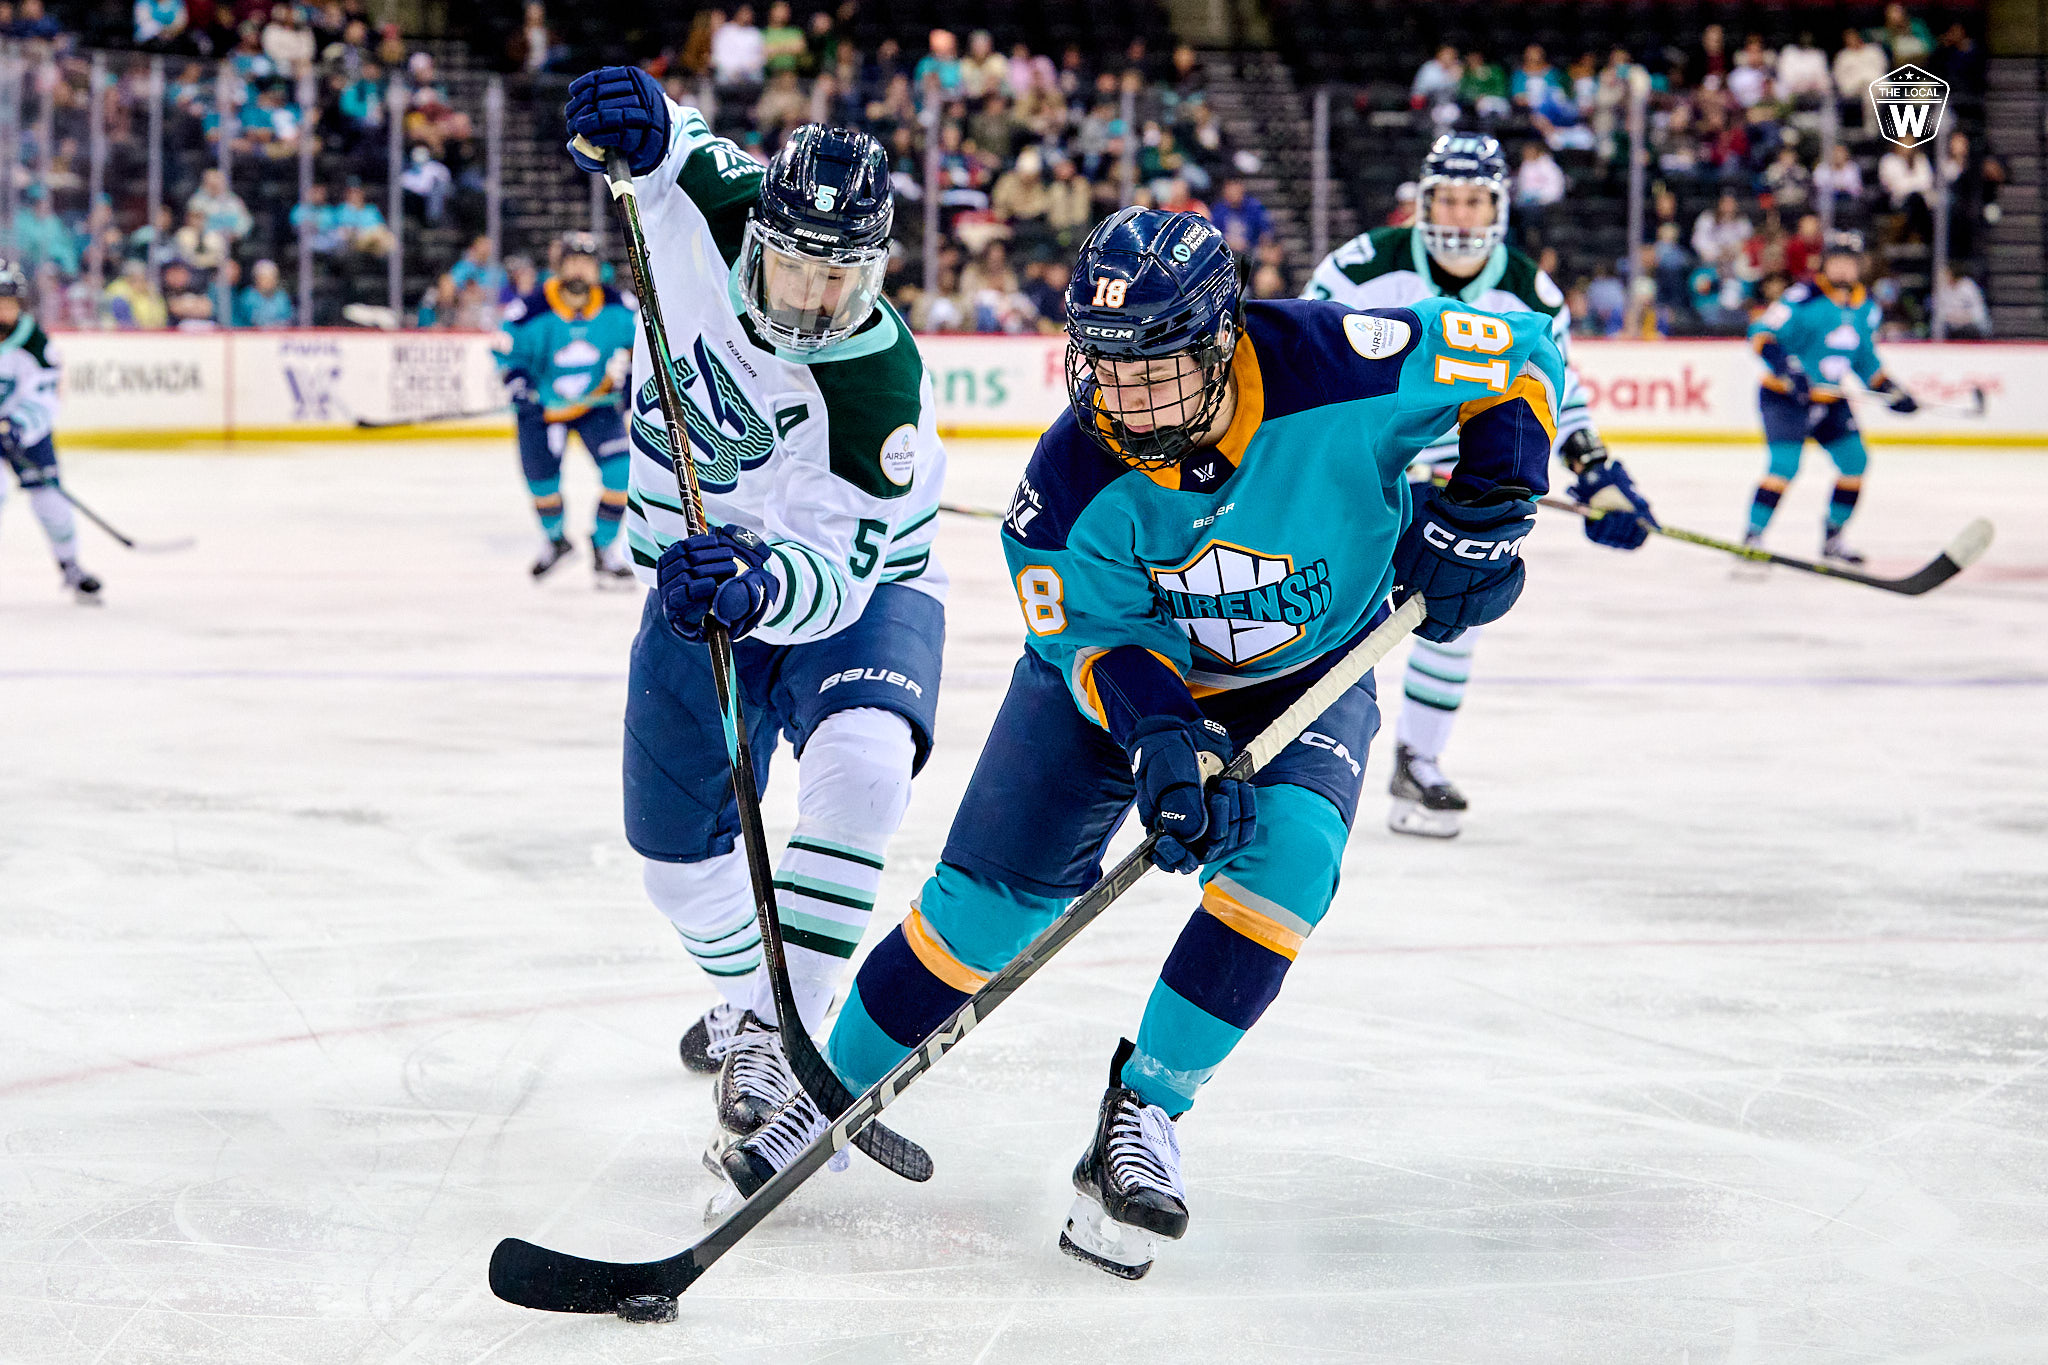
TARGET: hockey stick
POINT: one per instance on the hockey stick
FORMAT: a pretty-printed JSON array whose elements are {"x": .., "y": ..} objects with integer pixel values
[
  {"x": 1968, "y": 545},
  {"x": 891, "y": 1149},
  {"x": 962, "y": 510},
  {"x": 535, "y": 1277},
  {"x": 1974, "y": 408},
  {"x": 147, "y": 547},
  {"x": 379, "y": 423}
]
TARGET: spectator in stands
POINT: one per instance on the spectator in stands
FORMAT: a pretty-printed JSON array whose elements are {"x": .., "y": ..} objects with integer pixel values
[
  {"x": 320, "y": 218},
  {"x": 152, "y": 243},
  {"x": 159, "y": 24},
  {"x": 1539, "y": 183},
  {"x": 129, "y": 303},
  {"x": 1403, "y": 212},
  {"x": 438, "y": 305},
  {"x": 1787, "y": 178},
  {"x": 1607, "y": 303},
  {"x": 782, "y": 43},
  {"x": 1270, "y": 282},
  {"x": 33, "y": 25},
  {"x": 1240, "y": 217},
  {"x": 535, "y": 48},
  {"x": 1483, "y": 88},
  {"x": 225, "y": 212},
  {"x": 426, "y": 184},
  {"x": 1713, "y": 58},
  {"x": 1715, "y": 299},
  {"x": 1765, "y": 253},
  {"x": 1907, "y": 177},
  {"x": 1436, "y": 82},
  {"x": 1958, "y": 60},
  {"x": 993, "y": 129},
  {"x": 185, "y": 299},
  {"x": 1856, "y": 66},
  {"x": 983, "y": 69},
  {"x": 1045, "y": 286},
  {"x": 939, "y": 69},
  {"x": 738, "y": 55},
  {"x": 521, "y": 279},
  {"x": 263, "y": 301},
  {"x": 1021, "y": 200},
  {"x": 1959, "y": 303},
  {"x": 1719, "y": 233},
  {"x": 361, "y": 223},
  {"x": 1069, "y": 212},
  {"x": 1973, "y": 183},
  {"x": 1803, "y": 70},
  {"x": 1842, "y": 179},
  {"x": 200, "y": 246},
  {"x": 1907, "y": 39},
  {"x": 474, "y": 267},
  {"x": 1191, "y": 79},
  {"x": 1175, "y": 197},
  {"x": 1534, "y": 79},
  {"x": 250, "y": 63},
  {"x": 782, "y": 106},
  {"x": 287, "y": 41},
  {"x": 1802, "y": 249},
  {"x": 1749, "y": 81},
  {"x": 270, "y": 126},
  {"x": 41, "y": 238}
]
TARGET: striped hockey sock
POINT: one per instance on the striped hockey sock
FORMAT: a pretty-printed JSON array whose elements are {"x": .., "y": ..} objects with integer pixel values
[
  {"x": 1842, "y": 505},
  {"x": 824, "y": 894},
  {"x": 1434, "y": 687}
]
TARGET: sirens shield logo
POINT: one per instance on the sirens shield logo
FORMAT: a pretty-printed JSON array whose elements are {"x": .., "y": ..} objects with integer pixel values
[
  {"x": 1240, "y": 605},
  {"x": 1909, "y": 104}
]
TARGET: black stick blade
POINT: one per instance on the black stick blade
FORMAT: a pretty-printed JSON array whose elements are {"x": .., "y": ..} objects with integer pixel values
[{"x": 532, "y": 1276}]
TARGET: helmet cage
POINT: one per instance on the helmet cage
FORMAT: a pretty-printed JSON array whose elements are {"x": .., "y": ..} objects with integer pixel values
[
  {"x": 1160, "y": 446},
  {"x": 835, "y": 289},
  {"x": 1461, "y": 244}
]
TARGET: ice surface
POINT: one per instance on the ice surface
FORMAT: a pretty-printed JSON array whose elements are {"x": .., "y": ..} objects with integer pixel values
[{"x": 1719, "y": 1037}]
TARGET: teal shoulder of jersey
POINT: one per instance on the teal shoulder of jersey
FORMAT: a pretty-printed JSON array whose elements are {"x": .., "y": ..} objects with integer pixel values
[
  {"x": 1257, "y": 557},
  {"x": 564, "y": 351}
]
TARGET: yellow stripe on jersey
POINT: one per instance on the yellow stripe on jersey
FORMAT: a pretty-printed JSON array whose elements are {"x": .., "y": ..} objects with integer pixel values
[{"x": 1526, "y": 388}]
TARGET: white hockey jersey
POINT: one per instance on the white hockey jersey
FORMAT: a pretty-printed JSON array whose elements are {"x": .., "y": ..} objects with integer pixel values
[
  {"x": 29, "y": 369},
  {"x": 1388, "y": 268},
  {"x": 832, "y": 457}
]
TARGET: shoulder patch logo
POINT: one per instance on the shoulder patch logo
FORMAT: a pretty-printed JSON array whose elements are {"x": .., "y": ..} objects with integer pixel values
[
  {"x": 1547, "y": 292},
  {"x": 1376, "y": 338},
  {"x": 899, "y": 455}
]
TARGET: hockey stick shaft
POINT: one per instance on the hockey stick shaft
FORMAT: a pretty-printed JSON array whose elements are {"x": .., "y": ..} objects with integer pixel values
[
  {"x": 1960, "y": 553},
  {"x": 143, "y": 547},
  {"x": 890, "y": 1149},
  {"x": 534, "y": 1277},
  {"x": 379, "y": 423},
  {"x": 1974, "y": 408}
]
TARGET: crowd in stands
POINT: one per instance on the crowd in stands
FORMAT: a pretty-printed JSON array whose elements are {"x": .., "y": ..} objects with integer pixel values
[{"x": 1743, "y": 128}]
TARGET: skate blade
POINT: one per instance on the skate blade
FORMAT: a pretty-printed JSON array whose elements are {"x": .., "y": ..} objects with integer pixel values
[
  {"x": 1091, "y": 1235},
  {"x": 714, "y": 1152},
  {"x": 1412, "y": 817},
  {"x": 723, "y": 1201}
]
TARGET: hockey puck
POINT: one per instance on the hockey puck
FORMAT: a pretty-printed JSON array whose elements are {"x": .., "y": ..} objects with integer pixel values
[{"x": 648, "y": 1308}]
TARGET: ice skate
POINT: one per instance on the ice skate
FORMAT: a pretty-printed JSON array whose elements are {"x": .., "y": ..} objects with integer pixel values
[
  {"x": 610, "y": 567},
  {"x": 84, "y": 588},
  {"x": 554, "y": 552},
  {"x": 1425, "y": 801},
  {"x": 750, "y": 1162},
  {"x": 754, "y": 1080},
  {"x": 716, "y": 1024},
  {"x": 1834, "y": 550},
  {"x": 1127, "y": 1184}
]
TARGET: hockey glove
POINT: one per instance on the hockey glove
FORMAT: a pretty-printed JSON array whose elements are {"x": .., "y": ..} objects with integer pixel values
[
  {"x": 1198, "y": 821},
  {"x": 1798, "y": 387},
  {"x": 1465, "y": 558},
  {"x": 1903, "y": 403},
  {"x": 1619, "y": 511},
  {"x": 716, "y": 576},
  {"x": 10, "y": 440},
  {"x": 520, "y": 392},
  {"x": 619, "y": 107}
]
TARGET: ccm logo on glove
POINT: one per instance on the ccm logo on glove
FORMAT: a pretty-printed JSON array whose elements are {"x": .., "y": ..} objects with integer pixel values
[{"x": 1478, "y": 551}]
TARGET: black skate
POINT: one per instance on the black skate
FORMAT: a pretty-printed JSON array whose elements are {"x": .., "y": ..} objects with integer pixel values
[
  {"x": 750, "y": 1162},
  {"x": 610, "y": 566},
  {"x": 1835, "y": 551},
  {"x": 82, "y": 585},
  {"x": 754, "y": 1080},
  {"x": 551, "y": 554},
  {"x": 1425, "y": 802},
  {"x": 719, "y": 1022},
  {"x": 1127, "y": 1183}
]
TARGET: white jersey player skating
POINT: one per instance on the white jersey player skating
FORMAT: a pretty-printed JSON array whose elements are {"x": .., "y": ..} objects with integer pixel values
[
  {"x": 29, "y": 372},
  {"x": 811, "y": 424},
  {"x": 1458, "y": 248}
]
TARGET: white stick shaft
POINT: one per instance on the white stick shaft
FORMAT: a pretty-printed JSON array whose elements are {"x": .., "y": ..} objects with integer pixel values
[{"x": 1297, "y": 718}]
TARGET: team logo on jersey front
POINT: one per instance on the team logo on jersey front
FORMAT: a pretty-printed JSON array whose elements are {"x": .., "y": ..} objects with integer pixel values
[
  {"x": 727, "y": 436},
  {"x": 1240, "y": 605}
]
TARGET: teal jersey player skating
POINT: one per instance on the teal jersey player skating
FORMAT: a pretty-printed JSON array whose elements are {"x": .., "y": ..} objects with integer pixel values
[
  {"x": 1831, "y": 331},
  {"x": 1224, "y": 584},
  {"x": 1256, "y": 559},
  {"x": 570, "y": 356}
]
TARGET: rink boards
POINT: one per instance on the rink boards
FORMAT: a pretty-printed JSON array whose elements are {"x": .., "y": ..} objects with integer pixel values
[{"x": 144, "y": 389}]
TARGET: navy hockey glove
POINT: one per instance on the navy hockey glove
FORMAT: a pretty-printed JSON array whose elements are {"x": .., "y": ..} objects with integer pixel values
[
  {"x": 519, "y": 389},
  {"x": 716, "y": 576},
  {"x": 1903, "y": 403},
  {"x": 1798, "y": 387},
  {"x": 1465, "y": 558},
  {"x": 622, "y": 107},
  {"x": 1198, "y": 821},
  {"x": 1619, "y": 511}
]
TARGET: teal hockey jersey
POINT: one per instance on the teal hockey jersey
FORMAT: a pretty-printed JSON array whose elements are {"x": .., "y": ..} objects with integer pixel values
[
  {"x": 1259, "y": 557},
  {"x": 573, "y": 357},
  {"x": 1829, "y": 330}
]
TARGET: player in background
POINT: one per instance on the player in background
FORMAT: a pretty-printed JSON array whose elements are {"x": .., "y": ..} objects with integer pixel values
[
  {"x": 1811, "y": 338},
  {"x": 1220, "y": 515},
  {"x": 1458, "y": 250},
  {"x": 816, "y": 444},
  {"x": 564, "y": 351},
  {"x": 29, "y": 368}
]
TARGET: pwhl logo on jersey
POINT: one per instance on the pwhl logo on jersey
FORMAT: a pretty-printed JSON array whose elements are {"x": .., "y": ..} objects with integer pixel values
[
  {"x": 1909, "y": 104},
  {"x": 727, "y": 436},
  {"x": 1241, "y": 605}
]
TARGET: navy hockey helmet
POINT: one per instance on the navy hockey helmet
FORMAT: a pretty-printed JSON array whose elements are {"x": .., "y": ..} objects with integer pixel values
[
  {"x": 1842, "y": 242},
  {"x": 1151, "y": 286},
  {"x": 581, "y": 244},
  {"x": 817, "y": 240},
  {"x": 1463, "y": 159},
  {"x": 13, "y": 280}
]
